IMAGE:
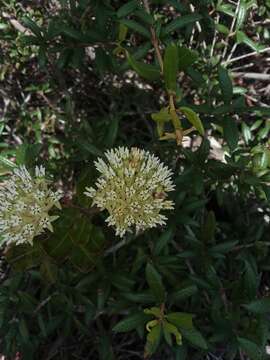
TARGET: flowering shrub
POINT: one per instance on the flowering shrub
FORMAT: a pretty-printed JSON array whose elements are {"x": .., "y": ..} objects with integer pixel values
[{"x": 147, "y": 122}]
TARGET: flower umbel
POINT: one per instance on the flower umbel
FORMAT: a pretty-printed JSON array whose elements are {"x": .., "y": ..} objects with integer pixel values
[
  {"x": 133, "y": 188},
  {"x": 24, "y": 205}
]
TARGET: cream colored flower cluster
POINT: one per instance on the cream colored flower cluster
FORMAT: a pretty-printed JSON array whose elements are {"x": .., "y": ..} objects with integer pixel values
[
  {"x": 133, "y": 188},
  {"x": 24, "y": 205}
]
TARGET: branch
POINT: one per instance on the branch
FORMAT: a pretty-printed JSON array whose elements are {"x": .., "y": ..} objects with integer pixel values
[
  {"x": 15, "y": 23},
  {"x": 246, "y": 55},
  {"x": 251, "y": 75},
  {"x": 154, "y": 37}
]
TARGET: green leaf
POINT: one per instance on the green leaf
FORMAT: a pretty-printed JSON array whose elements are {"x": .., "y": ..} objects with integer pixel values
[
  {"x": 259, "y": 306},
  {"x": 130, "y": 323},
  {"x": 163, "y": 115},
  {"x": 209, "y": 228},
  {"x": 196, "y": 76},
  {"x": 88, "y": 146},
  {"x": 29, "y": 40},
  {"x": 8, "y": 165},
  {"x": 225, "y": 84},
  {"x": 88, "y": 244},
  {"x": 48, "y": 271},
  {"x": 42, "y": 57},
  {"x": 246, "y": 133},
  {"x": 251, "y": 280},
  {"x": 181, "y": 320},
  {"x": 127, "y": 8},
  {"x": 105, "y": 348},
  {"x": 231, "y": 133},
  {"x": 133, "y": 25},
  {"x": 30, "y": 24},
  {"x": 161, "y": 118},
  {"x": 195, "y": 338},
  {"x": 77, "y": 239},
  {"x": 72, "y": 33},
  {"x": 241, "y": 15},
  {"x": 169, "y": 329},
  {"x": 241, "y": 37},
  {"x": 222, "y": 29},
  {"x": 171, "y": 67},
  {"x": 122, "y": 34},
  {"x": 111, "y": 132},
  {"x": 139, "y": 53},
  {"x": 250, "y": 348},
  {"x": 144, "y": 298},
  {"x": 153, "y": 340},
  {"x": 226, "y": 9},
  {"x": 27, "y": 154},
  {"x": 193, "y": 118},
  {"x": 144, "y": 16},
  {"x": 23, "y": 257},
  {"x": 23, "y": 330},
  {"x": 155, "y": 283},
  {"x": 183, "y": 294},
  {"x": 163, "y": 240},
  {"x": 147, "y": 71},
  {"x": 181, "y": 22},
  {"x": 42, "y": 326},
  {"x": 186, "y": 57},
  {"x": 223, "y": 248},
  {"x": 156, "y": 311}
]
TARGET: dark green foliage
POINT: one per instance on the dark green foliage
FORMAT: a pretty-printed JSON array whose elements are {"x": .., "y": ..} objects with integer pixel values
[{"x": 92, "y": 75}]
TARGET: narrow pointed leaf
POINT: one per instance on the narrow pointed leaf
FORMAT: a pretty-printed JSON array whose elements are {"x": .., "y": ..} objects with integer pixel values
[
  {"x": 193, "y": 118},
  {"x": 130, "y": 322},
  {"x": 186, "y": 57},
  {"x": 147, "y": 71},
  {"x": 231, "y": 133},
  {"x": 171, "y": 67},
  {"x": 181, "y": 22},
  {"x": 225, "y": 84},
  {"x": 135, "y": 26},
  {"x": 127, "y": 8},
  {"x": 155, "y": 283}
]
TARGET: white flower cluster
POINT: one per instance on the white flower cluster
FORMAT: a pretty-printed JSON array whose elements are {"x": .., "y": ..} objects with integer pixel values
[
  {"x": 133, "y": 188},
  {"x": 24, "y": 205}
]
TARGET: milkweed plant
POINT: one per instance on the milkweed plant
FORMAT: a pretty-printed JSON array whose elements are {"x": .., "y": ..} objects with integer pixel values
[
  {"x": 133, "y": 187},
  {"x": 152, "y": 217}
]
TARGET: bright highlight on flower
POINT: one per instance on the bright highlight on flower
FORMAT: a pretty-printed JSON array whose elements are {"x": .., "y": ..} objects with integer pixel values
[
  {"x": 133, "y": 188},
  {"x": 24, "y": 205}
]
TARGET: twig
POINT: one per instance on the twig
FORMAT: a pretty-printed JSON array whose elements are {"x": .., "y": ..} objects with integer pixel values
[
  {"x": 43, "y": 303},
  {"x": 154, "y": 37},
  {"x": 15, "y": 23},
  {"x": 246, "y": 55},
  {"x": 251, "y": 75},
  {"x": 241, "y": 355},
  {"x": 198, "y": 26},
  {"x": 114, "y": 248},
  {"x": 242, "y": 67},
  {"x": 231, "y": 31},
  {"x": 256, "y": 100},
  {"x": 232, "y": 51},
  {"x": 240, "y": 247},
  {"x": 215, "y": 37}
]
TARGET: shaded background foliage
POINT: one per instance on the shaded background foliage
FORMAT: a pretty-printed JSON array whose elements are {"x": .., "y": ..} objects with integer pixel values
[{"x": 68, "y": 92}]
